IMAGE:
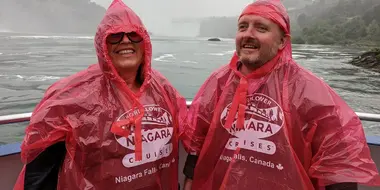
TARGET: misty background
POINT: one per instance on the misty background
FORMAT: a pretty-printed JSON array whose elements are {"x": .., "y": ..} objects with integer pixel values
[
  {"x": 326, "y": 22},
  {"x": 180, "y": 17},
  {"x": 162, "y": 18}
]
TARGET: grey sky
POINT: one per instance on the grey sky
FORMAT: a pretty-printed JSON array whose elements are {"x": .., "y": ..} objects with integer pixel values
[
  {"x": 183, "y": 8},
  {"x": 157, "y": 15}
]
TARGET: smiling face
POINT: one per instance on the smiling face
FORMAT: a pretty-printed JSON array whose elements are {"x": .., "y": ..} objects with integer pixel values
[
  {"x": 258, "y": 40},
  {"x": 126, "y": 51}
]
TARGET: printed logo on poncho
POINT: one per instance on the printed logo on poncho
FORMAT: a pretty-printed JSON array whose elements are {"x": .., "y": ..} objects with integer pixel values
[
  {"x": 155, "y": 138},
  {"x": 263, "y": 118}
]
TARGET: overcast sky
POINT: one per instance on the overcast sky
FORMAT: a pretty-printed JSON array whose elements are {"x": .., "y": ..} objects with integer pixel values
[
  {"x": 183, "y": 8},
  {"x": 157, "y": 15}
]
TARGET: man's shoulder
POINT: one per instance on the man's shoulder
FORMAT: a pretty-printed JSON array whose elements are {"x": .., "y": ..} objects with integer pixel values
[
  {"x": 219, "y": 76},
  {"x": 307, "y": 87},
  {"x": 303, "y": 77}
]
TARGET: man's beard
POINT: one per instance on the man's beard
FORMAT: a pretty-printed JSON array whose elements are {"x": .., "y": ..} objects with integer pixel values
[
  {"x": 260, "y": 60},
  {"x": 251, "y": 63}
]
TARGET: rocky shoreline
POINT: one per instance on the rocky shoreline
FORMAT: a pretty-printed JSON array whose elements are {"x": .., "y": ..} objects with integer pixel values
[{"x": 369, "y": 60}]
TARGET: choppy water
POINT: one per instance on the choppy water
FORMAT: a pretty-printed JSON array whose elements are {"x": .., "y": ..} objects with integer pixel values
[{"x": 30, "y": 63}]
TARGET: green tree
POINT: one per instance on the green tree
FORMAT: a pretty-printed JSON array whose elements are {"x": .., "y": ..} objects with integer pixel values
[
  {"x": 355, "y": 29},
  {"x": 373, "y": 31},
  {"x": 303, "y": 20}
]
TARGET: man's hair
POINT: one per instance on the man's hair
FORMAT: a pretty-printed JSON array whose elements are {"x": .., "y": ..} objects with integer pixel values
[{"x": 270, "y": 9}]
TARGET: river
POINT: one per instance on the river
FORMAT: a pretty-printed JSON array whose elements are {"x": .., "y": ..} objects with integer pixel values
[{"x": 30, "y": 63}]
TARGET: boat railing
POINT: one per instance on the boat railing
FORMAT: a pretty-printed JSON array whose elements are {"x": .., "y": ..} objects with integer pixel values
[
  {"x": 14, "y": 148},
  {"x": 16, "y": 118}
]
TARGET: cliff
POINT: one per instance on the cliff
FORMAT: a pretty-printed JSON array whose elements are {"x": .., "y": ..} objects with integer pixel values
[
  {"x": 348, "y": 22},
  {"x": 343, "y": 22},
  {"x": 50, "y": 16},
  {"x": 226, "y": 27}
]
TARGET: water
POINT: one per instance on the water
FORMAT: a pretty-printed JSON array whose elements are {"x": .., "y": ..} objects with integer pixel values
[{"x": 31, "y": 63}]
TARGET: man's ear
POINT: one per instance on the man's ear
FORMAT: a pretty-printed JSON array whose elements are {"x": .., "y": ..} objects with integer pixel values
[{"x": 284, "y": 39}]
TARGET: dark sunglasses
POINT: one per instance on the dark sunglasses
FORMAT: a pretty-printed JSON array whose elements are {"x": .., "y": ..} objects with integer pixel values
[{"x": 118, "y": 37}]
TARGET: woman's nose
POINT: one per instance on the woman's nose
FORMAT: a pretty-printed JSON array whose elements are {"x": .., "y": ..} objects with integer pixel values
[{"x": 125, "y": 39}]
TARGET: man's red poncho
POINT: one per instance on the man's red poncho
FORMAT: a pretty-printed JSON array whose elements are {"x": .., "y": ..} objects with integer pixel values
[{"x": 280, "y": 127}]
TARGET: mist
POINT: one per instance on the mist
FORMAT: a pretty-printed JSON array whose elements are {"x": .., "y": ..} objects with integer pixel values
[
  {"x": 162, "y": 18},
  {"x": 50, "y": 17},
  {"x": 158, "y": 16}
]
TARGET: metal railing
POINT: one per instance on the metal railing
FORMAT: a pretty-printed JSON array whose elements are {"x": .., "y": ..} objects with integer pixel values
[
  {"x": 16, "y": 118},
  {"x": 14, "y": 148}
]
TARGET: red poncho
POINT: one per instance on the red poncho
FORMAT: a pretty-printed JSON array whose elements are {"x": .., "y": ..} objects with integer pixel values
[
  {"x": 84, "y": 108},
  {"x": 280, "y": 127}
]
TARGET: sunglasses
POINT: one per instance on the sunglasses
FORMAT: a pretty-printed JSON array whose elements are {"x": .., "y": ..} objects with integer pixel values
[{"x": 118, "y": 37}]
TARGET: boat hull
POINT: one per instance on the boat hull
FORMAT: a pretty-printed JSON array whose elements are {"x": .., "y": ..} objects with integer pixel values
[{"x": 11, "y": 165}]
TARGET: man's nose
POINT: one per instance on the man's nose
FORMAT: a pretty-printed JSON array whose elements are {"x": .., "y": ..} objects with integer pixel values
[{"x": 250, "y": 32}]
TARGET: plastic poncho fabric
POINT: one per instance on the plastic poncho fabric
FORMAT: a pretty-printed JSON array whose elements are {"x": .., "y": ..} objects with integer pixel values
[
  {"x": 280, "y": 127},
  {"x": 115, "y": 139}
]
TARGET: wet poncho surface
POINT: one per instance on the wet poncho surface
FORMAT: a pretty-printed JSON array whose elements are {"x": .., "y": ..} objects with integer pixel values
[
  {"x": 115, "y": 139},
  {"x": 280, "y": 127}
]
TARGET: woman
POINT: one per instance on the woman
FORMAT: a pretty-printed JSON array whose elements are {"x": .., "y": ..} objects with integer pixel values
[{"x": 114, "y": 125}]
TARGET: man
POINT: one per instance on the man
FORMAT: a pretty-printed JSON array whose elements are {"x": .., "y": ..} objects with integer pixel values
[
  {"x": 114, "y": 125},
  {"x": 263, "y": 122}
]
